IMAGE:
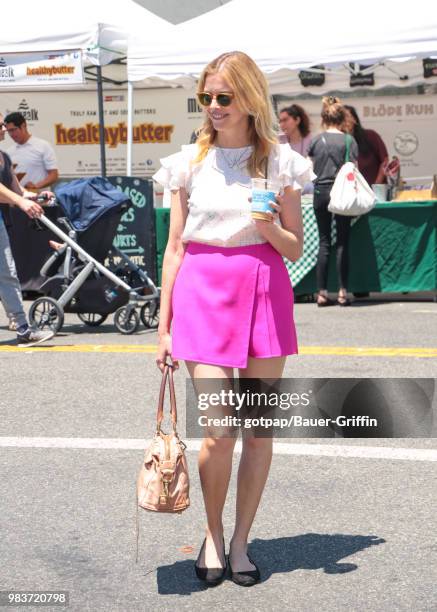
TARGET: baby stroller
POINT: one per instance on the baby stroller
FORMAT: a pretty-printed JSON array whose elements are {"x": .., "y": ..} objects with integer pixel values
[{"x": 87, "y": 275}]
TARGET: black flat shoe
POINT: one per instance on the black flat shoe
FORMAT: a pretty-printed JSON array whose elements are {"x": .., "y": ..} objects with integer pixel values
[
  {"x": 246, "y": 579},
  {"x": 212, "y": 576},
  {"x": 343, "y": 301},
  {"x": 324, "y": 300}
]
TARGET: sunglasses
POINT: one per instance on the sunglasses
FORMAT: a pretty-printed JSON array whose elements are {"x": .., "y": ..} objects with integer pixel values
[{"x": 223, "y": 99}]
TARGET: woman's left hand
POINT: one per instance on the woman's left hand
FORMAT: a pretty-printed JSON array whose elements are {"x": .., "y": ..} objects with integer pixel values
[{"x": 264, "y": 226}]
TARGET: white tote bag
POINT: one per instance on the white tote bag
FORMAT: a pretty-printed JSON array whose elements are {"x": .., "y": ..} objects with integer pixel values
[{"x": 351, "y": 195}]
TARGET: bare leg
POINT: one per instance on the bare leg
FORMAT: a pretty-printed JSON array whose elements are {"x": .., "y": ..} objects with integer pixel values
[
  {"x": 215, "y": 467},
  {"x": 253, "y": 470}
]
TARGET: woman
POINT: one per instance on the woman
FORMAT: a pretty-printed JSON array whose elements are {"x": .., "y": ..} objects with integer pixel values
[
  {"x": 225, "y": 288},
  {"x": 295, "y": 124},
  {"x": 328, "y": 151},
  {"x": 372, "y": 152}
]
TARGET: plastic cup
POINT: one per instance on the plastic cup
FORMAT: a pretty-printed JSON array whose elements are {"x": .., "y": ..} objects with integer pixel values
[
  {"x": 381, "y": 192},
  {"x": 263, "y": 192}
]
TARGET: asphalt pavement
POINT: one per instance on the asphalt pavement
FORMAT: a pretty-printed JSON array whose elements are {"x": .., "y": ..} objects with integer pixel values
[{"x": 344, "y": 524}]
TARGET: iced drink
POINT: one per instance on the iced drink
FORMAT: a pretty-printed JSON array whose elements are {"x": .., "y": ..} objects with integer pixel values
[{"x": 263, "y": 192}]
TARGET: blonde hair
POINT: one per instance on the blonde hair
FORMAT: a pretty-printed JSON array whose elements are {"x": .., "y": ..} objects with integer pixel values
[
  {"x": 333, "y": 112},
  {"x": 252, "y": 97}
]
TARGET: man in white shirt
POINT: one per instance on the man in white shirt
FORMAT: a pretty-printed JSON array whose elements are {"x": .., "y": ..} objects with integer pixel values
[{"x": 34, "y": 158}]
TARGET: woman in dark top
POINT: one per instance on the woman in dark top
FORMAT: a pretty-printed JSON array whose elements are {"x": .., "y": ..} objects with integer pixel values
[
  {"x": 372, "y": 152},
  {"x": 328, "y": 151}
]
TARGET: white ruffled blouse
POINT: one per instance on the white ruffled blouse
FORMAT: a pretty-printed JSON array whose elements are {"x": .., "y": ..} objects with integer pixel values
[{"x": 219, "y": 211}]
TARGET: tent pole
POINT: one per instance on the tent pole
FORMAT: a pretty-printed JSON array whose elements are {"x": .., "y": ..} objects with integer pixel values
[
  {"x": 130, "y": 108},
  {"x": 101, "y": 121}
]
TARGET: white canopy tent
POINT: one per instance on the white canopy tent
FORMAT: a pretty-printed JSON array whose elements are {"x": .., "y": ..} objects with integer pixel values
[
  {"x": 386, "y": 39},
  {"x": 282, "y": 37},
  {"x": 278, "y": 35},
  {"x": 97, "y": 28}
]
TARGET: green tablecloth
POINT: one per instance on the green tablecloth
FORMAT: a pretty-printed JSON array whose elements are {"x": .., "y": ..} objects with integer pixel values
[{"x": 392, "y": 249}]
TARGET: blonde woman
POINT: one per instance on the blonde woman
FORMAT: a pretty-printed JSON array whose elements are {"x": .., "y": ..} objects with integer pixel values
[{"x": 227, "y": 301}]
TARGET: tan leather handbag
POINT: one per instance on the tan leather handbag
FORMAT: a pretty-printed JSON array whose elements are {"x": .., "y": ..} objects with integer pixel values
[{"x": 163, "y": 482}]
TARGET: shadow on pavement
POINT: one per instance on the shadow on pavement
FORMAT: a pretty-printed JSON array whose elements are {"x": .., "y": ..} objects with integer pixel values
[
  {"x": 311, "y": 551},
  {"x": 78, "y": 329},
  {"x": 11, "y": 342},
  {"x": 178, "y": 578}
]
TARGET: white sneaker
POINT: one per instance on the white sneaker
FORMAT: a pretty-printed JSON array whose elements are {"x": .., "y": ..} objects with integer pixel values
[{"x": 33, "y": 336}]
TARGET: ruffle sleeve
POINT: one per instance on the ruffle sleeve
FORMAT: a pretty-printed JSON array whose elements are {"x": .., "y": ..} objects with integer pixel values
[
  {"x": 176, "y": 169},
  {"x": 293, "y": 170}
]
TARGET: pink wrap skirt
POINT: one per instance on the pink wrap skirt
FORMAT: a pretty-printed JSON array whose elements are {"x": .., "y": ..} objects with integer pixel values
[{"x": 230, "y": 303}]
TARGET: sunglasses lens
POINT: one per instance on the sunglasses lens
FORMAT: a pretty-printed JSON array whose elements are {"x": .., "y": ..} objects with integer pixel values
[
  {"x": 224, "y": 99},
  {"x": 205, "y": 99}
]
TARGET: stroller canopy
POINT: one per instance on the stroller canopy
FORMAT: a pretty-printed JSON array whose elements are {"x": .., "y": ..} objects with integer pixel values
[{"x": 85, "y": 200}]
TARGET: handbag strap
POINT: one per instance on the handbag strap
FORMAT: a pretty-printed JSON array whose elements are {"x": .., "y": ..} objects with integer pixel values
[
  {"x": 167, "y": 375},
  {"x": 348, "y": 145},
  {"x": 348, "y": 140}
]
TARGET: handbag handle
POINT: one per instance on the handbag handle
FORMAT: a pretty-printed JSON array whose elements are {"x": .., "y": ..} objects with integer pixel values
[
  {"x": 167, "y": 375},
  {"x": 348, "y": 141}
]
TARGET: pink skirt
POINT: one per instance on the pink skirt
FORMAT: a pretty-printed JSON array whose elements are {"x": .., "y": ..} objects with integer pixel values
[{"x": 230, "y": 303}]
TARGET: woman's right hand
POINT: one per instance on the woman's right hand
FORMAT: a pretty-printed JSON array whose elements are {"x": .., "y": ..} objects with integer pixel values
[{"x": 163, "y": 355}]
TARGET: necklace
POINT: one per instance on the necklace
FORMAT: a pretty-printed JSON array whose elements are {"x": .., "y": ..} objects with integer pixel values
[
  {"x": 232, "y": 159},
  {"x": 232, "y": 163}
]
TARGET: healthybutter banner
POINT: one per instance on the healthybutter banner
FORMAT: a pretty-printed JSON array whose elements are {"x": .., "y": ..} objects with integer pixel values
[
  {"x": 41, "y": 69},
  {"x": 163, "y": 120}
]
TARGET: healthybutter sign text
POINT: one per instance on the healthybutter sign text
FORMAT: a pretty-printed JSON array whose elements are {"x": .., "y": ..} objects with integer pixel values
[
  {"x": 163, "y": 120},
  {"x": 114, "y": 134},
  {"x": 41, "y": 69}
]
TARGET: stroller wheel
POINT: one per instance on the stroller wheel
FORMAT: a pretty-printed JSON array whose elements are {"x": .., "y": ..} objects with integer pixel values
[
  {"x": 93, "y": 319},
  {"x": 45, "y": 313},
  {"x": 126, "y": 320},
  {"x": 149, "y": 314}
]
